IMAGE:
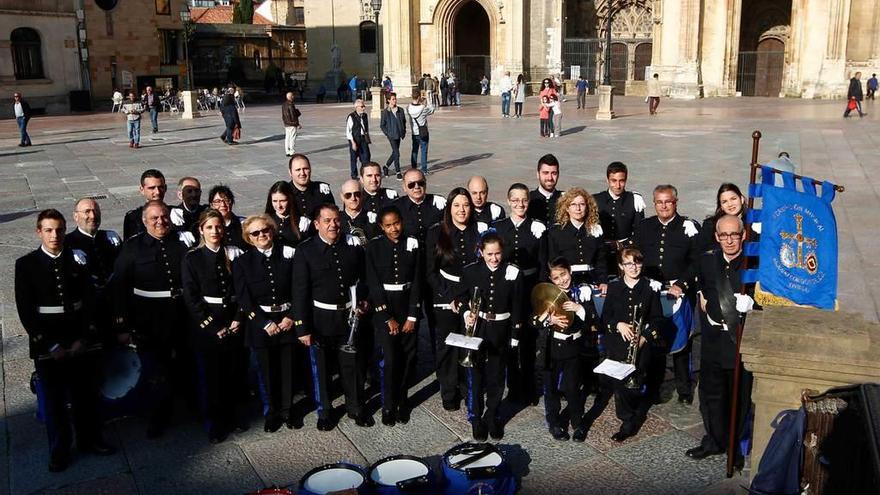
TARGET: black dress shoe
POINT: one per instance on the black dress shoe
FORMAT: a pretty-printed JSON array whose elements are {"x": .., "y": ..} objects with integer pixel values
[
  {"x": 385, "y": 170},
  {"x": 451, "y": 406},
  {"x": 365, "y": 421},
  {"x": 98, "y": 447},
  {"x": 325, "y": 424},
  {"x": 701, "y": 452},
  {"x": 403, "y": 414},
  {"x": 59, "y": 462},
  {"x": 272, "y": 424},
  {"x": 496, "y": 430},
  {"x": 479, "y": 431},
  {"x": 293, "y": 421},
  {"x": 579, "y": 434},
  {"x": 388, "y": 418},
  {"x": 622, "y": 435},
  {"x": 559, "y": 433}
]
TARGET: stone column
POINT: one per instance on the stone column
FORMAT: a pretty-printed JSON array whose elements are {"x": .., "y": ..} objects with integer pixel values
[
  {"x": 719, "y": 49},
  {"x": 190, "y": 105},
  {"x": 819, "y": 30},
  {"x": 400, "y": 44},
  {"x": 678, "y": 54}
]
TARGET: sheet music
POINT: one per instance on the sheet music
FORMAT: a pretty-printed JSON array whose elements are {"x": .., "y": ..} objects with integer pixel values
[
  {"x": 463, "y": 341},
  {"x": 614, "y": 369}
]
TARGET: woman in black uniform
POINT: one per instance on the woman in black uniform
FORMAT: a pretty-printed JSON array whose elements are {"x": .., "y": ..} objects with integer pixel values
[
  {"x": 728, "y": 201},
  {"x": 450, "y": 244},
  {"x": 263, "y": 282},
  {"x": 220, "y": 198},
  {"x": 293, "y": 226},
  {"x": 216, "y": 328},
  {"x": 577, "y": 237}
]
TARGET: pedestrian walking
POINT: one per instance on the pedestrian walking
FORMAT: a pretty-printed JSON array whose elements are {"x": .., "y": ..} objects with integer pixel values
[
  {"x": 418, "y": 114},
  {"x": 151, "y": 104},
  {"x": 239, "y": 98},
  {"x": 519, "y": 95},
  {"x": 854, "y": 96},
  {"x": 582, "y": 86},
  {"x": 556, "y": 110},
  {"x": 353, "y": 87},
  {"x": 133, "y": 110},
  {"x": 872, "y": 86},
  {"x": 544, "y": 115},
  {"x": 290, "y": 115},
  {"x": 484, "y": 85},
  {"x": 229, "y": 110},
  {"x": 393, "y": 125},
  {"x": 357, "y": 132},
  {"x": 506, "y": 92},
  {"x": 443, "y": 85},
  {"x": 22, "y": 116},
  {"x": 454, "y": 95},
  {"x": 654, "y": 94}
]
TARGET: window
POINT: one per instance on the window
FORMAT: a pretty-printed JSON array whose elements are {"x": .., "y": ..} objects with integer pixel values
[
  {"x": 27, "y": 58},
  {"x": 368, "y": 37},
  {"x": 169, "y": 46},
  {"x": 299, "y": 15}
]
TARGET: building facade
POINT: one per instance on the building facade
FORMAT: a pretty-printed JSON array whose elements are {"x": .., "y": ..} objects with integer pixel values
[
  {"x": 795, "y": 48},
  {"x": 39, "y": 55}
]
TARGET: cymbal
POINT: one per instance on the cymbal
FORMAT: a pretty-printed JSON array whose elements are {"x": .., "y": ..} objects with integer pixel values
[{"x": 547, "y": 296}]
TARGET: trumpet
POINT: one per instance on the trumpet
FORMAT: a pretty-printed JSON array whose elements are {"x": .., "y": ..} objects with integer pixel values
[
  {"x": 634, "y": 380},
  {"x": 353, "y": 322},
  {"x": 469, "y": 330}
]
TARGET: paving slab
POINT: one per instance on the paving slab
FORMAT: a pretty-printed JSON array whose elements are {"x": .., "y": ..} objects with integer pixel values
[{"x": 223, "y": 470}]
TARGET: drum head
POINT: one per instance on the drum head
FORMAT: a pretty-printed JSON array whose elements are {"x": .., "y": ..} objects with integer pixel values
[
  {"x": 390, "y": 472},
  {"x": 121, "y": 372},
  {"x": 491, "y": 460},
  {"x": 333, "y": 479}
]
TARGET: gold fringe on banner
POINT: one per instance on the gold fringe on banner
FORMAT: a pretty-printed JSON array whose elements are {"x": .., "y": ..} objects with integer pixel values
[{"x": 765, "y": 298}]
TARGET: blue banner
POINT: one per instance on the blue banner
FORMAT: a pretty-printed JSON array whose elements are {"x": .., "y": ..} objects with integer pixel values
[{"x": 797, "y": 250}]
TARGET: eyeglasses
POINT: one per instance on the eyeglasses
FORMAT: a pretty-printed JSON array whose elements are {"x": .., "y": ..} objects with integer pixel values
[
  {"x": 665, "y": 202},
  {"x": 219, "y": 202},
  {"x": 263, "y": 231},
  {"x": 417, "y": 183},
  {"x": 519, "y": 201},
  {"x": 631, "y": 264},
  {"x": 349, "y": 195},
  {"x": 724, "y": 236}
]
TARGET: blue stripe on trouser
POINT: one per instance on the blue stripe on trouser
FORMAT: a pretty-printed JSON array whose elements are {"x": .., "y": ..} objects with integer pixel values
[
  {"x": 316, "y": 381},
  {"x": 382, "y": 391},
  {"x": 470, "y": 397},
  {"x": 261, "y": 383},
  {"x": 202, "y": 390}
]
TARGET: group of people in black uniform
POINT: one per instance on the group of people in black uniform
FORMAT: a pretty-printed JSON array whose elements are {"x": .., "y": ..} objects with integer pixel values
[{"x": 224, "y": 307}]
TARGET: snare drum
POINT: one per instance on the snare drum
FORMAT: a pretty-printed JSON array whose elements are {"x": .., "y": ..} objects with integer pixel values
[
  {"x": 124, "y": 391},
  {"x": 331, "y": 478},
  {"x": 401, "y": 474},
  {"x": 477, "y": 468}
]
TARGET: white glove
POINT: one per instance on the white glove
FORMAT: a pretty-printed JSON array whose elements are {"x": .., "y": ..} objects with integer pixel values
[
  {"x": 371, "y": 217},
  {"x": 514, "y": 342},
  {"x": 439, "y": 202},
  {"x": 744, "y": 303}
]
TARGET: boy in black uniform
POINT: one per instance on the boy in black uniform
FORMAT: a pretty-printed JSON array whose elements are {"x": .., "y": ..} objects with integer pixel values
[
  {"x": 620, "y": 212},
  {"x": 394, "y": 279},
  {"x": 309, "y": 194},
  {"x": 152, "y": 188},
  {"x": 54, "y": 296},
  {"x": 563, "y": 345},
  {"x": 542, "y": 200},
  {"x": 498, "y": 323}
]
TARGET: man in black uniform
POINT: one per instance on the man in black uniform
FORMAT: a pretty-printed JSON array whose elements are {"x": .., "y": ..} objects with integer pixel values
[
  {"x": 148, "y": 306},
  {"x": 484, "y": 210},
  {"x": 308, "y": 194},
  {"x": 152, "y": 188},
  {"x": 185, "y": 216},
  {"x": 522, "y": 242},
  {"x": 327, "y": 268},
  {"x": 100, "y": 248},
  {"x": 620, "y": 212},
  {"x": 54, "y": 298},
  {"x": 374, "y": 197},
  {"x": 353, "y": 214},
  {"x": 670, "y": 245},
  {"x": 420, "y": 210},
  {"x": 395, "y": 277},
  {"x": 498, "y": 323},
  {"x": 722, "y": 308},
  {"x": 542, "y": 201}
]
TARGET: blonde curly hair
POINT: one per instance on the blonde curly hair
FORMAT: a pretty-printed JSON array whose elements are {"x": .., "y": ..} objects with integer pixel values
[{"x": 565, "y": 200}]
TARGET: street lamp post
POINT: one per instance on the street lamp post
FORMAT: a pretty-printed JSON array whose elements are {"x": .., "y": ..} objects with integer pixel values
[
  {"x": 376, "y": 91},
  {"x": 606, "y": 77},
  {"x": 190, "y": 110}
]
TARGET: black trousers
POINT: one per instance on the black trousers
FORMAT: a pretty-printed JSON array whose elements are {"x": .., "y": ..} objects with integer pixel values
[
  {"x": 276, "y": 379},
  {"x": 222, "y": 386},
  {"x": 324, "y": 352},
  {"x": 564, "y": 378},
  {"x": 716, "y": 386},
  {"x": 395, "y": 154},
  {"x": 397, "y": 365},
  {"x": 449, "y": 373},
  {"x": 632, "y": 404},
  {"x": 521, "y": 366},
  {"x": 72, "y": 379},
  {"x": 681, "y": 367},
  {"x": 160, "y": 366},
  {"x": 485, "y": 381}
]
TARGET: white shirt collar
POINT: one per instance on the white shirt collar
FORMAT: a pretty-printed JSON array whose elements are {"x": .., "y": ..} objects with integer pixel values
[
  {"x": 86, "y": 233},
  {"x": 545, "y": 193},
  {"x": 53, "y": 256},
  {"x": 266, "y": 252},
  {"x": 417, "y": 202},
  {"x": 613, "y": 196},
  {"x": 325, "y": 240},
  {"x": 668, "y": 221},
  {"x": 575, "y": 223},
  {"x": 221, "y": 247},
  {"x": 355, "y": 215},
  {"x": 492, "y": 269},
  {"x": 731, "y": 258},
  {"x": 517, "y": 223}
]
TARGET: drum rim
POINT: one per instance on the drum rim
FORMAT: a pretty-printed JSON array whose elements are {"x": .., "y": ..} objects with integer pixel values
[
  {"x": 335, "y": 465},
  {"x": 398, "y": 457},
  {"x": 490, "y": 446}
]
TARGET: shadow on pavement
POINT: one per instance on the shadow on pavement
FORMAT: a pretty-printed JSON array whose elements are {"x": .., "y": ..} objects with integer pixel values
[
  {"x": 9, "y": 217},
  {"x": 19, "y": 153},
  {"x": 573, "y": 130},
  {"x": 459, "y": 162}
]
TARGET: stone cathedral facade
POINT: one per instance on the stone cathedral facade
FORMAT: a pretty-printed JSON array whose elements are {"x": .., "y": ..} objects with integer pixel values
[{"x": 700, "y": 48}]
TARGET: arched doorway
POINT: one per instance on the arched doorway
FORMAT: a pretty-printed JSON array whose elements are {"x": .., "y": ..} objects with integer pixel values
[
  {"x": 764, "y": 29},
  {"x": 471, "y": 57},
  {"x": 770, "y": 62},
  {"x": 642, "y": 60}
]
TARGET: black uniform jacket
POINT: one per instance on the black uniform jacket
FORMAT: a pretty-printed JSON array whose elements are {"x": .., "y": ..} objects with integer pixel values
[
  {"x": 418, "y": 218},
  {"x": 522, "y": 243},
  {"x": 232, "y": 234},
  {"x": 324, "y": 274},
  {"x": 620, "y": 217},
  {"x": 501, "y": 293},
  {"x": 187, "y": 220},
  {"x": 375, "y": 202},
  {"x": 54, "y": 298},
  {"x": 133, "y": 223},
  {"x": 718, "y": 281},
  {"x": 316, "y": 194},
  {"x": 149, "y": 265},
  {"x": 671, "y": 251},
  {"x": 559, "y": 349},
  {"x": 286, "y": 235},
  {"x": 444, "y": 276},
  {"x": 491, "y": 213},
  {"x": 100, "y": 252},
  {"x": 543, "y": 208},
  {"x": 395, "y": 264},
  {"x": 263, "y": 282},
  {"x": 583, "y": 248},
  {"x": 209, "y": 293},
  {"x": 619, "y": 304},
  {"x": 361, "y": 221}
]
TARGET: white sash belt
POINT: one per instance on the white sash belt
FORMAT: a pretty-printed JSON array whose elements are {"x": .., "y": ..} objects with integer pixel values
[
  {"x": 58, "y": 310},
  {"x": 396, "y": 287},
  {"x": 567, "y": 336},
  {"x": 581, "y": 268},
  {"x": 449, "y": 276},
  {"x": 276, "y": 308},
  {"x": 494, "y": 316},
  {"x": 332, "y": 307},
  {"x": 152, "y": 294},
  {"x": 218, "y": 300}
]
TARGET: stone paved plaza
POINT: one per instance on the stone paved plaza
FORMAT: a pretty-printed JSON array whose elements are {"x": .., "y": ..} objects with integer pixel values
[{"x": 694, "y": 145}]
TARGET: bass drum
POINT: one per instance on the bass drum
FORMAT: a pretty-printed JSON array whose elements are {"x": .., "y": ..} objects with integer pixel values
[
  {"x": 477, "y": 469},
  {"x": 331, "y": 478},
  {"x": 123, "y": 384},
  {"x": 402, "y": 474}
]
